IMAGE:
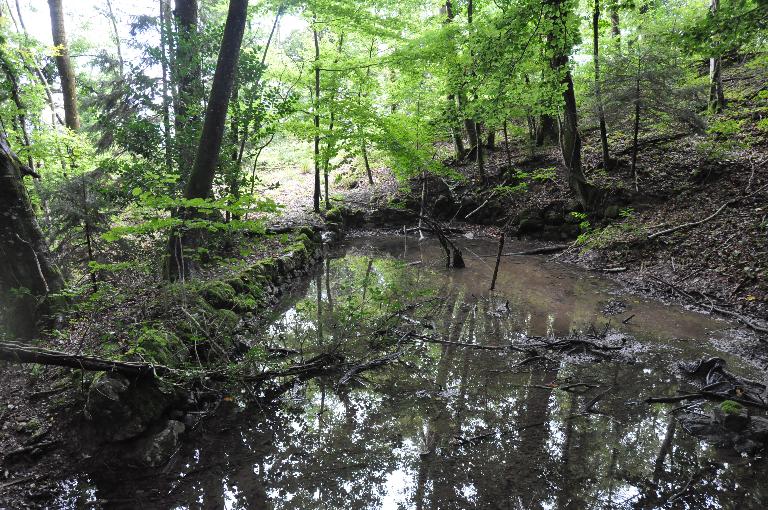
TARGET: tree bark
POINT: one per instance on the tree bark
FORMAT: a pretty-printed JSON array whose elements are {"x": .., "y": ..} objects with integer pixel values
[
  {"x": 716, "y": 95},
  {"x": 316, "y": 117},
  {"x": 64, "y": 65},
  {"x": 27, "y": 275},
  {"x": 118, "y": 46},
  {"x": 546, "y": 131},
  {"x": 201, "y": 179},
  {"x": 598, "y": 93},
  {"x": 20, "y": 353},
  {"x": 636, "y": 127},
  {"x": 570, "y": 140},
  {"x": 189, "y": 79},
  {"x": 458, "y": 141},
  {"x": 165, "y": 38}
]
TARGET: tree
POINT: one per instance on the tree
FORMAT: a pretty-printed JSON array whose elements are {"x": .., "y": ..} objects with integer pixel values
[
  {"x": 598, "y": 95},
  {"x": 559, "y": 45},
  {"x": 27, "y": 275},
  {"x": 200, "y": 181},
  {"x": 64, "y": 65},
  {"x": 189, "y": 80},
  {"x": 716, "y": 96}
]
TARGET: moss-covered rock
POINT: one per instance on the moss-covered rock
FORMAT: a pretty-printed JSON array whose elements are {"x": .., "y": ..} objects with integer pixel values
[{"x": 219, "y": 294}]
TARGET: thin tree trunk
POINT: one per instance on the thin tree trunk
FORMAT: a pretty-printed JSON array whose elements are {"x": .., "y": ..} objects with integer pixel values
[
  {"x": 206, "y": 161},
  {"x": 316, "y": 39},
  {"x": 367, "y": 164},
  {"x": 491, "y": 139},
  {"x": 479, "y": 156},
  {"x": 331, "y": 143},
  {"x": 506, "y": 147},
  {"x": 165, "y": 35},
  {"x": 26, "y": 261},
  {"x": 598, "y": 94},
  {"x": 547, "y": 130},
  {"x": 458, "y": 141},
  {"x": 188, "y": 77},
  {"x": 64, "y": 65},
  {"x": 613, "y": 11},
  {"x": 118, "y": 46},
  {"x": 13, "y": 80},
  {"x": 716, "y": 95},
  {"x": 585, "y": 193},
  {"x": 636, "y": 128}
]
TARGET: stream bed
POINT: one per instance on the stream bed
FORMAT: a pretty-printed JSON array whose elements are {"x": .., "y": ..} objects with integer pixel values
[{"x": 445, "y": 426}]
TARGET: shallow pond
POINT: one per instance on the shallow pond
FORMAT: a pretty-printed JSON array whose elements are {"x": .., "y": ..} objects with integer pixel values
[{"x": 445, "y": 426}]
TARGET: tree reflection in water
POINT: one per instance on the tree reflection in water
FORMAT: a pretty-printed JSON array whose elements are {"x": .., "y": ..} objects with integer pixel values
[{"x": 397, "y": 437}]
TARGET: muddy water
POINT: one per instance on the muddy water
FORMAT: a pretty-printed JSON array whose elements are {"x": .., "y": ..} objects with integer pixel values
[{"x": 450, "y": 427}]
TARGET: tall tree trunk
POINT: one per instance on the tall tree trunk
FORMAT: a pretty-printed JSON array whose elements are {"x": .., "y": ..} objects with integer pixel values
[
  {"x": 118, "y": 46},
  {"x": 716, "y": 95},
  {"x": 165, "y": 37},
  {"x": 316, "y": 108},
  {"x": 586, "y": 194},
  {"x": 330, "y": 141},
  {"x": 27, "y": 275},
  {"x": 479, "y": 156},
  {"x": 458, "y": 141},
  {"x": 636, "y": 128},
  {"x": 64, "y": 65},
  {"x": 188, "y": 77},
  {"x": 546, "y": 130},
  {"x": 613, "y": 12},
  {"x": 367, "y": 163},
  {"x": 201, "y": 179},
  {"x": 506, "y": 147},
  {"x": 491, "y": 139},
  {"x": 13, "y": 82},
  {"x": 598, "y": 94}
]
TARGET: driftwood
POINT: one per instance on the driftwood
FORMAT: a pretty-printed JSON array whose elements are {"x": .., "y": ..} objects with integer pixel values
[
  {"x": 21, "y": 353},
  {"x": 719, "y": 384},
  {"x": 354, "y": 371},
  {"x": 453, "y": 256},
  {"x": 540, "y": 251},
  {"x": 498, "y": 261}
]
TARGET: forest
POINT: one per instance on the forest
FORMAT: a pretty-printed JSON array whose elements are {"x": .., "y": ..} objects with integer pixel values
[{"x": 339, "y": 254}]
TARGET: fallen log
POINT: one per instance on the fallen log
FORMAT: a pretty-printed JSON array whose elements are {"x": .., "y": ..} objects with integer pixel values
[
  {"x": 540, "y": 251},
  {"x": 20, "y": 353}
]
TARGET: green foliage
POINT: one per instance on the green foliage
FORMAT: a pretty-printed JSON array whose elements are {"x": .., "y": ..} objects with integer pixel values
[
  {"x": 629, "y": 229},
  {"x": 731, "y": 407}
]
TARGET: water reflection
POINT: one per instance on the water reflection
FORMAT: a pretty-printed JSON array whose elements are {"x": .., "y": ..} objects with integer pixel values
[{"x": 448, "y": 427}]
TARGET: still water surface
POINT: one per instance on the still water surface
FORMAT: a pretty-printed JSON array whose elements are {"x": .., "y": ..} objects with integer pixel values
[{"x": 450, "y": 427}]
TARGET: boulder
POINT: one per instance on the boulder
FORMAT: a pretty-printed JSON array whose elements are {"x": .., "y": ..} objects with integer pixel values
[
  {"x": 157, "y": 449},
  {"x": 530, "y": 225},
  {"x": 121, "y": 409}
]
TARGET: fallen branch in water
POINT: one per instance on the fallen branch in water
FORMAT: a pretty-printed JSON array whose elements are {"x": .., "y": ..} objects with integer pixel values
[{"x": 363, "y": 367}]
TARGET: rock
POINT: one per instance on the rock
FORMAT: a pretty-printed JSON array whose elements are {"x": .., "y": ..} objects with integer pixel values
[
  {"x": 733, "y": 416},
  {"x": 532, "y": 213},
  {"x": 758, "y": 429},
  {"x": 443, "y": 207},
  {"x": 530, "y": 225},
  {"x": 611, "y": 212},
  {"x": 573, "y": 205},
  {"x": 158, "y": 448},
  {"x": 552, "y": 217},
  {"x": 120, "y": 409}
]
